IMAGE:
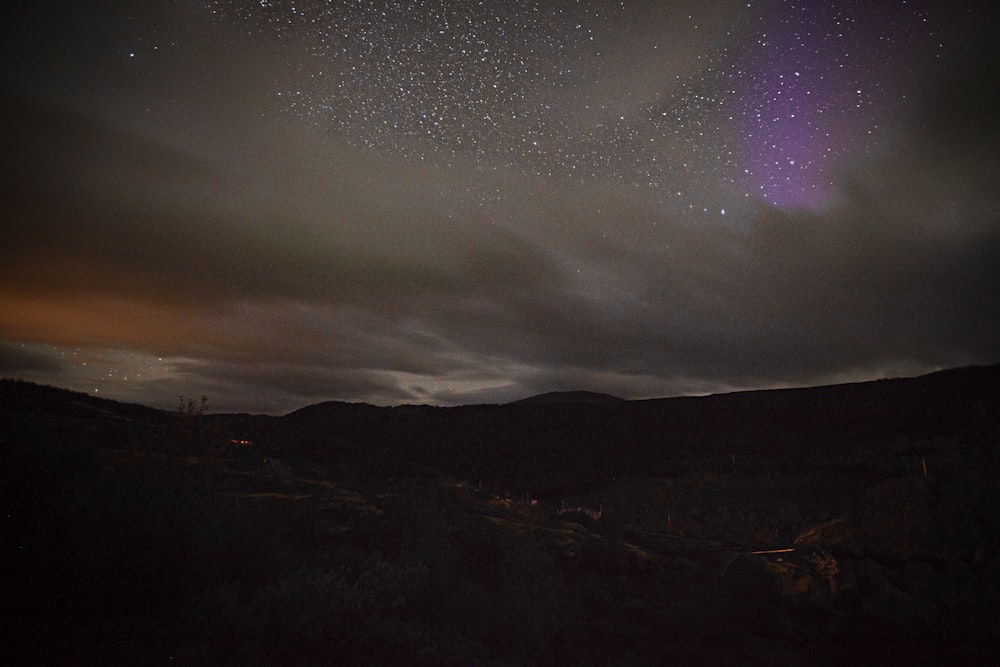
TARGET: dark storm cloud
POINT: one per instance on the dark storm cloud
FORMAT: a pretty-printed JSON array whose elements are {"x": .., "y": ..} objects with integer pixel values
[{"x": 276, "y": 266}]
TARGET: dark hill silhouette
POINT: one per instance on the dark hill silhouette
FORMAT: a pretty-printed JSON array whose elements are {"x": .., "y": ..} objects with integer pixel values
[
  {"x": 555, "y": 446},
  {"x": 536, "y": 441},
  {"x": 568, "y": 398},
  {"x": 558, "y": 443},
  {"x": 327, "y": 406},
  {"x": 29, "y": 398},
  {"x": 827, "y": 524}
]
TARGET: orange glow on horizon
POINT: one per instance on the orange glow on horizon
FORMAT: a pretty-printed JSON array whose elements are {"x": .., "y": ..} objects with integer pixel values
[{"x": 98, "y": 320}]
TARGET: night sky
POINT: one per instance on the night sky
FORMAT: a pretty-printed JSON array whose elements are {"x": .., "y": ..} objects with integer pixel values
[{"x": 276, "y": 203}]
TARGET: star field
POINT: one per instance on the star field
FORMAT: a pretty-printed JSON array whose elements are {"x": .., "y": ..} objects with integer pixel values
[{"x": 766, "y": 100}]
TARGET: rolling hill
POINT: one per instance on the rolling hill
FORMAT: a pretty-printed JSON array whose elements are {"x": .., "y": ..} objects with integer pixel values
[{"x": 819, "y": 525}]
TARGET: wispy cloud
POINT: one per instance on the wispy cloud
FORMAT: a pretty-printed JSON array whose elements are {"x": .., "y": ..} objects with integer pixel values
[{"x": 271, "y": 265}]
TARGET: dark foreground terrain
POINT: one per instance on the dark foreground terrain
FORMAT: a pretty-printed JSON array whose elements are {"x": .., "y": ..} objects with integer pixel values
[{"x": 836, "y": 525}]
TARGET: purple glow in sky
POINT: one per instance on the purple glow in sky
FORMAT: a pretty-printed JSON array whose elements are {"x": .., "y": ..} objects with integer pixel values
[
  {"x": 814, "y": 88},
  {"x": 770, "y": 100}
]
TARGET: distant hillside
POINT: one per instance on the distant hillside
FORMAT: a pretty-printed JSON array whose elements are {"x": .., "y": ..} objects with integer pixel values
[
  {"x": 28, "y": 398},
  {"x": 320, "y": 409},
  {"x": 829, "y": 525},
  {"x": 568, "y": 398},
  {"x": 560, "y": 442},
  {"x": 557, "y": 443}
]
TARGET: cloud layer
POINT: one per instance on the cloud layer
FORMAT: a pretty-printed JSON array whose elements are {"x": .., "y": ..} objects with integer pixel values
[{"x": 181, "y": 224}]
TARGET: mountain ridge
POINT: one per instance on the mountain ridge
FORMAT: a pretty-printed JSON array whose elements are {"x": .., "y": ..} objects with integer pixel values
[
  {"x": 568, "y": 397},
  {"x": 961, "y": 380}
]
